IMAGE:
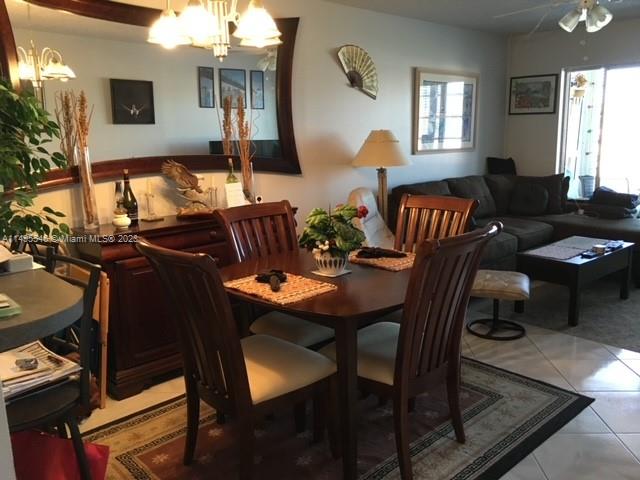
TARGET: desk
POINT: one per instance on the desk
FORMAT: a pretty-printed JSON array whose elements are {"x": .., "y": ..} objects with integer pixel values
[
  {"x": 362, "y": 296},
  {"x": 48, "y": 305}
]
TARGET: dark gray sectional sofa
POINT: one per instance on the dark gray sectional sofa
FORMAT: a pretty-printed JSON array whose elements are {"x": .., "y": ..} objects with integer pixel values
[{"x": 534, "y": 211}]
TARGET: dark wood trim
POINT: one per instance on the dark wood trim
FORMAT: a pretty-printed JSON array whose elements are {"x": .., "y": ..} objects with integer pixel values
[{"x": 142, "y": 16}]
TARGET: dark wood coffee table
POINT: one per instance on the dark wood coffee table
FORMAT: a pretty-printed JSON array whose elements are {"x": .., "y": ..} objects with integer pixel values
[{"x": 577, "y": 272}]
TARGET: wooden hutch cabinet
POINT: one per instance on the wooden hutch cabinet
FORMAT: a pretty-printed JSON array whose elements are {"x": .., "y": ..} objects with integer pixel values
[{"x": 142, "y": 341}]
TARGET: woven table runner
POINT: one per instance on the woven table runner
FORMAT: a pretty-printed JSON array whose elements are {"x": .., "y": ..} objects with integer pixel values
[
  {"x": 391, "y": 264},
  {"x": 295, "y": 289}
]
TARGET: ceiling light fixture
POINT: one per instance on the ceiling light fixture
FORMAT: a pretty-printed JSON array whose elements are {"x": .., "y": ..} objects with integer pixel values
[
  {"x": 205, "y": 23},
  {"x": 591, "y": 12}
]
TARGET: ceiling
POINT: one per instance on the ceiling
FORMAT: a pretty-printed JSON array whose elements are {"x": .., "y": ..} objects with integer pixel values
[{"x": 479, "y": 14}]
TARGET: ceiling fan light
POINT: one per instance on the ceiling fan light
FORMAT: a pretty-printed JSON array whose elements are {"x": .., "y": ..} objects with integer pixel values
[
  {"x": 166, "y": 31},
  {"x": 570, "y": 21},
  {"x": 603, "y": 16},
  {"x": 256, "y": 24},
  {"x": 198, "y": 23}
]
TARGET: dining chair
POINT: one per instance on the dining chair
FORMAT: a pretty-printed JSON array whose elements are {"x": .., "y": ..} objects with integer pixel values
[
  {"x": 58, "y": 404},
  {"x": 262, "y": 229},
  {"x": 422, "y": 217},
  {"x": 375, "y": 230},
  {"x": 245, "y": 378},
  {"x": 423, "y": 351}
]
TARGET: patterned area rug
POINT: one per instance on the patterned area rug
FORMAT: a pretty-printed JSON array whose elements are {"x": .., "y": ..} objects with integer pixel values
[{"x": 506, "y": 417}]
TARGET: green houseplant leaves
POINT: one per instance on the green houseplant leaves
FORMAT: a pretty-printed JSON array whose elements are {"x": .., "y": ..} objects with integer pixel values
[{"x": 334, "y": 227}]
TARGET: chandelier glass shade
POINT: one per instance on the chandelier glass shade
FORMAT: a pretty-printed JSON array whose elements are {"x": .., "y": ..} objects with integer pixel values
[
  {"x": 591, "y": 12},
  {"x": 166, "y": 31},
  {"x": 48, "y": 65}
]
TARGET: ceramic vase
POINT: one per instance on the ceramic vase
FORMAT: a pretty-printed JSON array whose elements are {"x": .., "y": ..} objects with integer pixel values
[{"x": 330, "y": 264}]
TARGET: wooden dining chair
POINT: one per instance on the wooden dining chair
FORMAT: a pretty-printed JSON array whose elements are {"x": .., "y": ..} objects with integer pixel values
[
  {"x": 422, "y": 217},
  {"x": 245, "y": 378},
  {"x": 258, "y": 230},
  {"x": 423, "y": 351}
]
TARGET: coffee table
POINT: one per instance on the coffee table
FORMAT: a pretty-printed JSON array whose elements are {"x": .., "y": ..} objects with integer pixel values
[{"x": 577, "y": 272}]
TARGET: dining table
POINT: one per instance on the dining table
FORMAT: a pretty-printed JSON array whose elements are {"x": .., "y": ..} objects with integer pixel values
[
  {"x": 48, "y": 305},
  {"x": 363, "y": 296}
]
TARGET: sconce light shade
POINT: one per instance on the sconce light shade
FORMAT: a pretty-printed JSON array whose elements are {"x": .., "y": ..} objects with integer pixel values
[{"x": 570, "y": 21}]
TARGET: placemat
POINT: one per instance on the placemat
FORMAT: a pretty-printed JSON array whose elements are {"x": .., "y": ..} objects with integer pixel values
[
  {"x": 556, "y": 252},
  {"x": 391, "y": 264},
  {"x": 295, "y": 289}
]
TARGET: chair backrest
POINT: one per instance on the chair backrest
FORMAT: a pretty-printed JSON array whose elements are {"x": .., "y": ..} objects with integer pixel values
[
  {"x": 35, "y": 247},
  {"x": 206, "y": 330},
  {"x": 375, "y": 230},
  {"x": 435, "y": 307},
  {"x": 258, "y": 230},
  {"x": 90, "y": 286},
  {"x": 423, "y": 217}
]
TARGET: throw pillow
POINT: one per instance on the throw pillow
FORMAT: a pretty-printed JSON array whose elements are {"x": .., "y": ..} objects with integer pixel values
[
  {"x": 529, "y": 199},
  {"x": 501, "y": 187},
  {"x": 553, "y": 184},
  {"x": 474, "y": 187},
  {"x": 501, "y": 166}
]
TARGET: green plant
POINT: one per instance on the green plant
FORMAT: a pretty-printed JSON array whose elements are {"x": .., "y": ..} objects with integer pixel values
[
  {"x": 25, "y": 131},
  {"x": 333, "y": 232}
]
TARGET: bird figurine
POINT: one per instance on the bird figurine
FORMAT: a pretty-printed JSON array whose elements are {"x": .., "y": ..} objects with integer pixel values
[
  {"x": 188, "y": 188},
  {"x": 181, "y": 175}
]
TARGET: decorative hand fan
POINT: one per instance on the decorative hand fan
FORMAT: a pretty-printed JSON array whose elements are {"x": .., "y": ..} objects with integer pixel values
[{"x": 359, "y": 69}]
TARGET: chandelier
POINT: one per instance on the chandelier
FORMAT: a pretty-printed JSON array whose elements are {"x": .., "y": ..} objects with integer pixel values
[
  {"x": 591, "y": 12},
  {"x": 205, "y": 23}
]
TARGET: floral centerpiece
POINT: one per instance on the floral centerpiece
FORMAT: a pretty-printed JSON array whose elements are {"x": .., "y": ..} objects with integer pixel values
[{"x": 331, "y": 236}]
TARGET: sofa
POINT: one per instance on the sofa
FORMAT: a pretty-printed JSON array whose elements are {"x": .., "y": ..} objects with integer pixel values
[{"x": 534, "y": 210}]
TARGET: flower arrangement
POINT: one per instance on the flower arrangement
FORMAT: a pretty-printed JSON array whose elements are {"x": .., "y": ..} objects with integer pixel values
[{"x": 333, "y": 232}]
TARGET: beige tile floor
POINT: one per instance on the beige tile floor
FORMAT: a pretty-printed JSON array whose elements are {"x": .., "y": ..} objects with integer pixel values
[{"x": 602, "y": 443}]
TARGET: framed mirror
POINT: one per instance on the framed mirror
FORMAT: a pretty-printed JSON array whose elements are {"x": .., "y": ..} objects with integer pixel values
[
  {"x": 444, "y": 111},
  {"x": 107, "y": 40}
]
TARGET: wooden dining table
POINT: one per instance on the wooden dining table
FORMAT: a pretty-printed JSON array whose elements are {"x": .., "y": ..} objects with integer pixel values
[{"x": 362, "y": 297}]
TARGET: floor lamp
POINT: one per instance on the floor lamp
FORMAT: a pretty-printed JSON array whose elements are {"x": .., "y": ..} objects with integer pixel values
[{"x": 381, "y": 149}]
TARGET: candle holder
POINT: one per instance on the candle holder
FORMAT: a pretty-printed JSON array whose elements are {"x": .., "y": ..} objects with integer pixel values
[
  {"x": 151, "y": 212},
  {"x": 212, "y": 193}
]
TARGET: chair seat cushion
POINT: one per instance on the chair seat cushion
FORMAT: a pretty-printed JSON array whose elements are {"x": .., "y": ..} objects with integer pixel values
[
  {"x": 501, "y": 285},
  {"x": 29, "y": 410},
  {"x": 292, "y": 329},
  {"x": 276, "y": 367},
  {"x": 377, "y": 345}
]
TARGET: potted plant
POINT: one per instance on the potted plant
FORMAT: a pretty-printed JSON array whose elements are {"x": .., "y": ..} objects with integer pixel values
[
  {"x": 331, "y": 236},
  {"x": 25, "y": 131}
]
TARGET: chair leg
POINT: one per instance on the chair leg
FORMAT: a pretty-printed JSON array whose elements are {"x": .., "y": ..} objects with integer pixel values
[
  {"x": 61, "y": 428},
  {"x": 319, "y": 416},
  {"x": 401, "y": 426},
  {"x": 248, "y": 439},
  {"x": 193, "y": 421},
  {"x": 332, "y": 409},
  {"x": 300, "y": 416},
  {"x": 453, "y": 395},
  {"x": 78, "y": 446},
  {"x": 412, "y": 405}
]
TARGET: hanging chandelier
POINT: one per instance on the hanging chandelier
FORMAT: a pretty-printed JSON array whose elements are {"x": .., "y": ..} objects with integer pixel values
[
  {"x": 591, "y": 12},
  {"x": 205, "y": 23}
]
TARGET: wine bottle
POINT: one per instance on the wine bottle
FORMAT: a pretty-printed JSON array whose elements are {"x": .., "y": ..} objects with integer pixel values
[
  {"x": 231, "y": 178},
  {"x": 119, "y": 198},
  {"x": 129, "y": 203}
]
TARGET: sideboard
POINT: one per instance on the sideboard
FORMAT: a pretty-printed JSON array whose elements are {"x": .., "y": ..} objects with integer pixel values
[{"x": 142, "y": 341}]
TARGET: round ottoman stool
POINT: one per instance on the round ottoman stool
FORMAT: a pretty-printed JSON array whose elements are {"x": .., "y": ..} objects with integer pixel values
[{"x": 499, "y": 285}]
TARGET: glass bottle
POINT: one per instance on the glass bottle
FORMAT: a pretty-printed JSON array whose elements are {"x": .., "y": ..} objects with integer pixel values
[
  {"x": 231, "y": 178},
  {"x": 129, "y": 203},
  {"x": 119, "y": 198}
]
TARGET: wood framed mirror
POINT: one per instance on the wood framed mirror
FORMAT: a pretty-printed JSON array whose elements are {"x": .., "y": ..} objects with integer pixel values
[{"x": 284, "y": 158}]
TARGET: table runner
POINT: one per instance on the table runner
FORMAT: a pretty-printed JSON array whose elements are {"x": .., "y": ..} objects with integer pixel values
[
  {"x": 391, "y": 264},
  {"x": 295, "y": 289}
]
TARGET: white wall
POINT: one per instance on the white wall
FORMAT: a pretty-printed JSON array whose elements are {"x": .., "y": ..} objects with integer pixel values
[
  {"x": 332, "y": 120},
  {"x": 532, "y": 139}
]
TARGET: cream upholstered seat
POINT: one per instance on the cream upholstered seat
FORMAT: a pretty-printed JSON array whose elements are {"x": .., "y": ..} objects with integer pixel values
[
  {"x": 290, "y": 328},
  {"x": 501, "y": 284},
  {"x": 375, "y": 230},
  {"x": 377, "y": 346},
  {"x": 276, "y": 367}
]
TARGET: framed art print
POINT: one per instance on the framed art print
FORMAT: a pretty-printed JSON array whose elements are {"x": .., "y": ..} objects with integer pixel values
[
  {"x": 257, "y": 89},
  {"x": 233, "y": 83},
  {"x": 534, "y": 94},
  {"x": 206, "y": 96},
  {"x": 132, "y": 102}
]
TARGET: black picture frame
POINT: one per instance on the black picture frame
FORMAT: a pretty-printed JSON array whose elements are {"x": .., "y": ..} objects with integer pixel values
[
  {"x": 233, "y": 82},
  {"x": 257, "y": 89},
  {"x": 541, "y": 91},
  {"x": 132, "y": 102},
  {"x": 206, "y": 88}
]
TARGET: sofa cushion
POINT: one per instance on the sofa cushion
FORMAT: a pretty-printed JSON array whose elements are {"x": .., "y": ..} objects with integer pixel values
[
  {"x": 475, "y": 187},
  {"x": 503, "y": 246},
  {"x": 530, "y": 233},
  {"x": 553, "y": 184},
  {"x": 439, "y": 187},
  {"x": 501, "y": 188},
  {"x": 529, "y": 199}
]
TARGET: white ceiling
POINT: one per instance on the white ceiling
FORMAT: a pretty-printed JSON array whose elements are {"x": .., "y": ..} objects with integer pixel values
[{"x": 479, "y": 14}]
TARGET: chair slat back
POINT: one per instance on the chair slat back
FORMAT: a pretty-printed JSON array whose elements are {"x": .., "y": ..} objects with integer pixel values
[
  {"x": 207, "y": 332},
  {"x": 436, "y": 303},
  {"x": 258, "y": 230},
  {"x": 422, "y": 217}
]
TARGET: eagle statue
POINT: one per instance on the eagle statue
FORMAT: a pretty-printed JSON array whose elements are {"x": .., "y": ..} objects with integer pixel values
[{"x": 188, "y": 187}]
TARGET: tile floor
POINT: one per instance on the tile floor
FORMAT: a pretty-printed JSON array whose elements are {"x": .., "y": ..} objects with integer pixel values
[{"x": 602, "y": 443}]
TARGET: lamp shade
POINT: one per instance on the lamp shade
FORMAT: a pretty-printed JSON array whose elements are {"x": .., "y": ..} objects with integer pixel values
[
  {"x": 380, "y": 149},
  {"x": 570, "y": 21}
]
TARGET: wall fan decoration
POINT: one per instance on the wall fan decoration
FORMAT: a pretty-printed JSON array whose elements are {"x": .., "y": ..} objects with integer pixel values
[{"x": 359, "y": 69}]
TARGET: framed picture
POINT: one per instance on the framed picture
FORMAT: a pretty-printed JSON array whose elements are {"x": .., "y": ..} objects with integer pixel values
[
  {"x": 257, "y": 89},
  {"x": 444, "y": 111},
  {"x": 233, "y": 83},
  {"x": 535, "y": 94},
  {"x": 206, "y": 97},
  {"x": 132, "y": 102}
]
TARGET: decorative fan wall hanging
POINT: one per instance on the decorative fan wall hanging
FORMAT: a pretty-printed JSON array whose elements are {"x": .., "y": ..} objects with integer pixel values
[{"x": 359, "y": 69}]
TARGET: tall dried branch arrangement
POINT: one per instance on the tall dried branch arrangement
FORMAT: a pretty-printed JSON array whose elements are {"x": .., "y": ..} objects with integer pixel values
[
  {"x": 82, "y": 121},
  {"x": 64, "y": 115},
  {"x": 244, "y": 149},
  {"x": 227, "y": 126}
]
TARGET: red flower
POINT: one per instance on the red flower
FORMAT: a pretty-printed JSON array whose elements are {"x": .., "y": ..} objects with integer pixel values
[{"x": 362, "y": 211}]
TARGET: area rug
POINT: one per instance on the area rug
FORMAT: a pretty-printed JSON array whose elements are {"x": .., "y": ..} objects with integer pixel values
[
  {"x": 506, "y": 416},
  {"x": 604, "y": 318}
]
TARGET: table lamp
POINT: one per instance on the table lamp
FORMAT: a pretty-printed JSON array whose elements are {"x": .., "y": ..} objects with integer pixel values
[{"x": 381, "y": 149}]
